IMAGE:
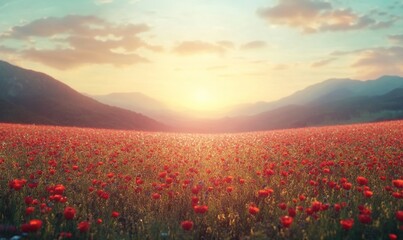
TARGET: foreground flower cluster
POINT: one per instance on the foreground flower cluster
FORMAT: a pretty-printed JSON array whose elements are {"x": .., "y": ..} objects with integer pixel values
[{"x": 329, "y": 182}]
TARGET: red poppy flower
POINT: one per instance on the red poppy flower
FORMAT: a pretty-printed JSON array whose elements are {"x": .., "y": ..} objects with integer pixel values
[
  {"x": 286, "y": 221},
  {"x": 292, "y": 212},
  {"x": 83, "y": 226},
  {"x": 17, "y": 184},
  {"x": 362, "y": 180},
  {"x": 69, "y": 213},
  {"x": 59, "y": 189},
  {"x": 169, "y": 180},
  {"x": 195, "y": 190},
  {"x": 187, "y": 225},
  {"x": 316, "y": 206},
  {"x": 201, "y": 209},
  {"x": 25, "y": 227},
  {"x": 282, "y": 206},
  {"x": 398, "y": 183},
  {"x": 162, "y": 174},
  {"x": 399, "y": 216},
  {"x": 115, "y": 214},
  {"x": 392, "y": 236},
  {"x": 365, "y": 218},
  {"x": 347, "y": 185},
  {"x": 139, "y": 181},
  {"x": 195, "y": 200},
  {"x": 29, "y": 210},
  {"x": 368, "y": 194},
  {"x": 32, "y": 226},
  {"x": 229, "y": 189},
  {"x": 35, "y": 224},
  {"x": 156, "y": 196},
  {"x": 253, "y": 210},
  {"x": 347, "y": 224},
  {"x": 397, "y": 195},
  {"x": 264, "y": 192},
  {"x": 228, "y": 179}
]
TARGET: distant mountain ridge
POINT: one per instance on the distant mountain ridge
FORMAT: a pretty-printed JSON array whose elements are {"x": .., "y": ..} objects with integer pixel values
[
  {"x": 27, "y": 96},
  {"x": 351, "y": 110},
  {"x": 334, "y": 101},
  {"x": 131, "y": 100},
  {"x": 139, "y": 102},
  {"x": 329, "y": 90}
]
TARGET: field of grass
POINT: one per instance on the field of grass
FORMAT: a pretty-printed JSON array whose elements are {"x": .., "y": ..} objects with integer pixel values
[{"x": 342, "y": 182}]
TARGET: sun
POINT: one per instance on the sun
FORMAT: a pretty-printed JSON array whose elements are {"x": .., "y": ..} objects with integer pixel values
[{"x": 202, "y": 98}]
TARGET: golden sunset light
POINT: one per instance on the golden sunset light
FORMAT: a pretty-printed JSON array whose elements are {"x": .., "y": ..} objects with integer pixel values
[
  {"x": 239, "y": 53},
  {"x": 201, "y": 119}
]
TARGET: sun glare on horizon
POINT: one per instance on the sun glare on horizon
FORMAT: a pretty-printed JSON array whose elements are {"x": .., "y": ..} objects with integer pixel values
[{"x": 202, "y": 99}]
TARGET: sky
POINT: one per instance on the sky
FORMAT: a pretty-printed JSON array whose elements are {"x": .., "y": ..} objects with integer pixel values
[{"x": 203, "y": 54}]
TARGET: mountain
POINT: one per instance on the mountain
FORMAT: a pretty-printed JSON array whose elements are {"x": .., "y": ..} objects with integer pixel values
[
  {"x": 141, "y": 103},
  {"x": 334, "y": 101},
  {"x": 329, "y": 90},
  {"x": 359, "y": 109},
  {"x": 135, "y": 101},
  {"x": 27, "y": 96},
  {"x": 349, "y": 110},
  {"x": 155, "y": 109}
]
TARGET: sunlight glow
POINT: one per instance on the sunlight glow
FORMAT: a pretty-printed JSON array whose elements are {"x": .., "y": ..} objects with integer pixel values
[{"x": 202, "y": 98}]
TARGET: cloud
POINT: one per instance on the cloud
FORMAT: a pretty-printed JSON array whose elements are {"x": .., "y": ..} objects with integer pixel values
[
  {"x": 396, "y": 39},
  {"x": 280, "y": 67},
  {"x": 74, "y": 40},
  {"x": 312, "y": 16},
  {"x": 254, "y": 45},
  {"x": 322, "y": 62},
  {"x": 226, "y": 44},
  {"x": 6, "y": 50},
  {"x": 102, "y": 1},
  {"x": 375, "y": 62},
  {"x": 217, "y": 67},
  {"x": 67, "y": 58},
  {"x": 201, "y": 47}
]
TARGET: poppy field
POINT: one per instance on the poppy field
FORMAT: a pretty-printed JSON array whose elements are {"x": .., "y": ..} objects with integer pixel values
[{"x": 337, "y": 182}]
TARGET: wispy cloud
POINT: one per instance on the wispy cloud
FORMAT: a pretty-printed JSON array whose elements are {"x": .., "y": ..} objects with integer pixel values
[
  {"x": 312, "y": 16},
  {"x": 6, "y": 50},
  {"x": 323, "y": 62},
  {"x": 396, "y": 39},
  {"x": 280, "y": 67},
  {"x": 76, "y": 40},
  {"x": 217, "y": 67},
  {"x": 254, "y": 45},
  {"x": 375, "y": 62},
  {"x": 102, "y": 1},
  {"x": 202, "y": 47}
]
